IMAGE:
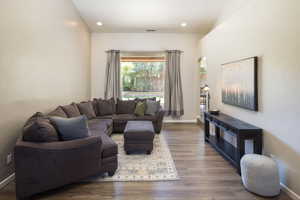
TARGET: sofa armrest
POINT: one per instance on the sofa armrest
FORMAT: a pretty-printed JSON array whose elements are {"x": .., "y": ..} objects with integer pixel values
[
  {"x": 58, "y": 146},
  {"x": 159, "y": 119},
  {"x": 43, "y": 166}
]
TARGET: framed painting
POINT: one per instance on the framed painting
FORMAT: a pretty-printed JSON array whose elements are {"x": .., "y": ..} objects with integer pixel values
[{"x": 239, "y": 83}]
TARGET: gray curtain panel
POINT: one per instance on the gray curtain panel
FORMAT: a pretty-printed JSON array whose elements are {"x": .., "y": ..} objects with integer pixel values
[
  {"x": 173, "y": 86},
  {"x": 112, "y": 81}
]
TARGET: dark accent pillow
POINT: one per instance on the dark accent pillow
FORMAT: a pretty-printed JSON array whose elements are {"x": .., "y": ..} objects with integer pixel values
[
  {"x": 58, "y": 112},
  {"x": 71, "y": 110},
  {"x": 152, "y": 107},
  {"x": 95, "y": 106},
  {"x": 40, "y": 130},
  {"x": 34, "y": 117},
  {"x": 126, "y": 106},
  {"x": 140, "y": 108},
  {"x": 106, "y": 107},
  {"x": 86, "y": 108},
  {"x": 71, "y": 128}
]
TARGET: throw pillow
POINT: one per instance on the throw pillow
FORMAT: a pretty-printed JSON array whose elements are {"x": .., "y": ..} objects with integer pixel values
[
  {"x": 86, "y": 108},
  {"x": 95, "y": 106},
  {"x": 58, "y": 112},
  {"x": 40, "y": 130},
  {"x": 71, "y": 128},
  {"x": 71, "y": 110},
  {"x": 152, "y": 107},
  {"x": 126, "y": 106},
  {"x": 140, "y": 109},
  {"x": 34, "y": 117},
  {"x": 106, "y": 107}
]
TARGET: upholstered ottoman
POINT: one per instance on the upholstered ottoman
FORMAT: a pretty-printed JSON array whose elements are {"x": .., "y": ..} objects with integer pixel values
[
  {"x": 260, "y": 175},
  {"x": 138, "y": 136}
]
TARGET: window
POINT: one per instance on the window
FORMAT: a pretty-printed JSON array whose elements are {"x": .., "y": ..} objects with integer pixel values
[{"x": 142, "y": 77}]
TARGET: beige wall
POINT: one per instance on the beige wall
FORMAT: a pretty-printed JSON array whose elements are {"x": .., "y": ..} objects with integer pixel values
[
  {"x": 269, "y": 29},
  {"x": 150, "y": 42},
  {"x": 44, "y": 62}
]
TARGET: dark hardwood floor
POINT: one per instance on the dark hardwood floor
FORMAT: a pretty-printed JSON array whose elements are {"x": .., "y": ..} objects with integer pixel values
[{"x": 204, "y": 174}]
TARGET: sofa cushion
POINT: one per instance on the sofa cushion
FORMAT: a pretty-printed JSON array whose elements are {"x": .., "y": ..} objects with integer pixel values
[
  {"x": 58, "y": 112},
  {"x": 34, "y": 117},
  {"x": 140, "y": 108},
  {"x": 40, "y": 130},
  {"x": 152, "y": 107},
  {"x": 109, "y": 147},
  {"x": 126, "y": 106},
  {"x": 95, "y": 106},
  {"x": 71, "y": 110},
  {"x": 71, "y": 128},
  {"x": 99, "y": 126},
  {"x": 105, "y": 117},
  {"x": 86, "y": 108},
  {"x": 124, "y": 117},
  {"x": 106, "y": 107}
]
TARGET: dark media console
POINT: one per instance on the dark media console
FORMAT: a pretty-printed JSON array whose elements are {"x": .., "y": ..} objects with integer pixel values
[{"x": 241, "y": 130}]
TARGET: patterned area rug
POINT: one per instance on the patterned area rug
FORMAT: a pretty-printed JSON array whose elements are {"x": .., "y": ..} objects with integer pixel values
[{"x": 159, "y": 166}]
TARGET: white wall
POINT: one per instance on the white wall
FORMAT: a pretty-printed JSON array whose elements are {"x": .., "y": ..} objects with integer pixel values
[
  {"x": 150, "y": 42},
  {"x": 269, "y": 29},
  {"x": 44, "y": 62}
]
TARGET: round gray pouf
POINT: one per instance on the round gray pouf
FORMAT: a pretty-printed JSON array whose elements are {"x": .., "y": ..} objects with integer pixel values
[{"x": 260, "y": 175}]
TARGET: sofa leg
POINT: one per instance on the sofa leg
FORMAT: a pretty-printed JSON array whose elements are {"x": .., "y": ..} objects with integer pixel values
[{"x": 111, "y": 173}]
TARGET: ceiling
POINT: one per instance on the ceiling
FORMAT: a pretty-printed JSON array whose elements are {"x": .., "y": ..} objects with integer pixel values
[{"x": 119, "y": 16}]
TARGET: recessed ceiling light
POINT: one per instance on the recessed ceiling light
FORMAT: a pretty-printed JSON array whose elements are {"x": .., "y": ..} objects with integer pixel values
[
  {"x": 150, "y": 30},
  {"x": 99, "y": 23},
  {"x": 183, "y": 24}
]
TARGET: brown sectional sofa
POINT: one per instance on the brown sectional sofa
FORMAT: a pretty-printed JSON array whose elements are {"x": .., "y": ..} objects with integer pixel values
[{"x": 44, "y": 162}]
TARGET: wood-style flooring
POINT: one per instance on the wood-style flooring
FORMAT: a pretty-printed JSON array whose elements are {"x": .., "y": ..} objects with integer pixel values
[{"x": 204, "y": 174}]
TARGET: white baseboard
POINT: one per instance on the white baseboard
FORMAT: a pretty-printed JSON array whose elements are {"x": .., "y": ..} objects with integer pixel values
[
  {"x": 289, "y": 192},
  {"x": 180, "y": 121},
  {"x": 7, "y": 180}
]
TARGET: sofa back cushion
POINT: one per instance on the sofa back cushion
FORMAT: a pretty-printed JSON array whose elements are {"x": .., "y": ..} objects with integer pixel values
[
  {"x": 95, "y": 106},
  {"x": 126, "y": 106},
  {"x": 86, "y": 108},
  {"x": 58, "y": 112},
  {"x": 71, "y": 128},
  {"x": 106, "y": 107},
  {"x": 38, "y": 128},
  {"x": 71, "y": 110},
  {"x": 152, "y": 107}
]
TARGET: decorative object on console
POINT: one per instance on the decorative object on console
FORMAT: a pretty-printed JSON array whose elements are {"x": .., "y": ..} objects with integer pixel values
[
  {"x": 214, "y": 112},
  {"x": 239, "y": 83}
]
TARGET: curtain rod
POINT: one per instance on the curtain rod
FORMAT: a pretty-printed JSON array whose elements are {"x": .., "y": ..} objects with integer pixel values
[{"x": 143, "y": 51}]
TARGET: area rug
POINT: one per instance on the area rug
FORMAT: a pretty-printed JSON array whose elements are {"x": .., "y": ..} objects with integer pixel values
[{"x": 158, "y": 166}]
